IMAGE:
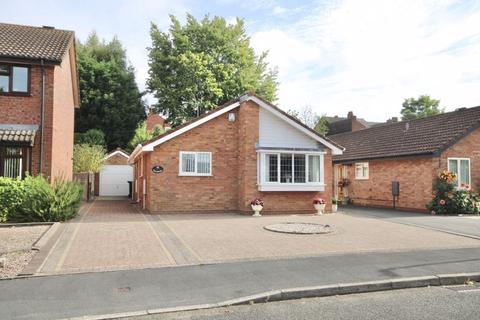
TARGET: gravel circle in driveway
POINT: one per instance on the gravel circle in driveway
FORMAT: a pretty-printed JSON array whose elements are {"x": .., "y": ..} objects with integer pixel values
[{"x": 299, "y": 228}]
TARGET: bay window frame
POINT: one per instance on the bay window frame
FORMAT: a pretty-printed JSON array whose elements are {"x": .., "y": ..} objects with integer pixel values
[{"x": 264, "y": 185}]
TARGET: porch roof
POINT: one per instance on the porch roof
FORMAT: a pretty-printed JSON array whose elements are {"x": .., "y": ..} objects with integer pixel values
[{"x": 18, "y": 134}]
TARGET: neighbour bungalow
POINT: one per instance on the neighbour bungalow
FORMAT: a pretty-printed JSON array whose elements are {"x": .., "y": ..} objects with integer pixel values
[
  {"x": 412, "y": 153},
  {"x": 223, "y": 159},
  {"x": 38, "y": 93},
  {"x": 351, "y": 123}
]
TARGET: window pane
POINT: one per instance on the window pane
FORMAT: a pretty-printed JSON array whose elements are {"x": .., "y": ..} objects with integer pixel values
[
  {"x": 365, "y": 170},
  {"x": 271, "y": 170},
  {"x": 285, "y": 168},
  {"x": 464, "y": 177},
  {"x": 20, "y": 79},
  {"x": 313, "y": 168},
  {"x": 3, "y": 68},
  {"x": 299, "y": 168},
  {"x": 188, "y": 162},
  {"x": 3, "y": 83},
  {"x": 203, "y": 163},
  {"x": 452, "y": 166}
]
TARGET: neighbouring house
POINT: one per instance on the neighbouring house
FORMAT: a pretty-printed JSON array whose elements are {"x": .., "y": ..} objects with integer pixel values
[
  {"x": 351, "y": 123},
  {"x": 223, "y": 159},
  {"x": 113, "y": 178},
  {"x": 410, "y": 152},
  {"x": 156, "y": 120},
  {"x": 38, "y": 93}
]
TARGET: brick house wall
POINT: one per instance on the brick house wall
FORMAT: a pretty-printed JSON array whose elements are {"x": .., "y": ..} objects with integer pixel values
[
  {"x": 234, "y": 171},
  {"x": 416, "y": 176},
  {"x": 154, "y": 120},
  {"x": 58, "y": 117}
]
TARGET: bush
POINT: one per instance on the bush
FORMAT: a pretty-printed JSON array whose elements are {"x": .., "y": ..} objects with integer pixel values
[
  {"x": 92, "y": 137},
  {"x": 36, "y": 200},
  {"x": 448, "y": 200},
  {"x": 11, "y": 196}
]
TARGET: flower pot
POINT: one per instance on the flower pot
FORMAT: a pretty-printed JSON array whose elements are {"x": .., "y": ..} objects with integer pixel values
[
  {"x": 334, "y": 207},
  {"x": 320, "y": 208},
  {"x": 256, "y": 209}
]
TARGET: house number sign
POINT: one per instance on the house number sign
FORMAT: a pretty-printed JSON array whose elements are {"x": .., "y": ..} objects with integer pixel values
[{"x": 157, "y": 169}]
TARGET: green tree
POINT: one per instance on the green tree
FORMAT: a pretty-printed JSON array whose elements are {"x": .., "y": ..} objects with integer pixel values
[
  {"x": 91, "y": 137},
  {"x": 88, "y": 158},
  {"x": 111, "y": 101},
  {"x": 142, "y": 135},
  {"x": 422, "y": 107},
  {"x": 322, "y": 125},
  {"x": 196, "y": 66}
]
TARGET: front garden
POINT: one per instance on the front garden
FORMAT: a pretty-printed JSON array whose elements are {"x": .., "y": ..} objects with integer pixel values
[
  {"x": 448, "y": 199},
  {"x": 34, "y": 199}
]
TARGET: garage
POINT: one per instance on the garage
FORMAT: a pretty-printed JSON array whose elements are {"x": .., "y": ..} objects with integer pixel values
[{"x": 115, "y": 174}]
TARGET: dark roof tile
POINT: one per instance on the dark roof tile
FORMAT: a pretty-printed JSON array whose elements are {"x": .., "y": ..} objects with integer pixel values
[{"x": 26, "y": 42}]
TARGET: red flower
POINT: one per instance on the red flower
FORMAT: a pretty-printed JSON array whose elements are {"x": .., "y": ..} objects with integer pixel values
[
  {"x": 257, "y": 202},
  {"x": 318, "y": 201},
  {"x": 442, "y": 202}
]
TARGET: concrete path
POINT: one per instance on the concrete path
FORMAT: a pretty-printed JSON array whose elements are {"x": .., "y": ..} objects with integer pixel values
[
  {"x": 71, "y": 295},
  {"x": 464, "y": 225}
]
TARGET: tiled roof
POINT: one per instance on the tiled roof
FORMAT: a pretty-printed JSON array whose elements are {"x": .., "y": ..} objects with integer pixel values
[
  {"x": 18, "y": 134},
  {"x": 26, "y": 42},
  {"x": 416, "y": 137}
]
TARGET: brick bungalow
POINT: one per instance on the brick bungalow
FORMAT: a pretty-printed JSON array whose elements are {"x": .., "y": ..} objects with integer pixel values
[
  {"x": 221, "y": 160},
  {"x": 38, "y": 93},
  {"x": 410, "y": 152}
]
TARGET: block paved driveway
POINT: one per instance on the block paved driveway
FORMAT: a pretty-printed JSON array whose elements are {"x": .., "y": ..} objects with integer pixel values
[{"x": 114, "y": 235}]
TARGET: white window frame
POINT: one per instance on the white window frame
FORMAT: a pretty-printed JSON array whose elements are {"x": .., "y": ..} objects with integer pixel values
[
  {"x": 457, "y": 182},
  {"x": 194, "y": 174},
  {"x": 264, "y": 185},
  {"x": 362, "y": 177}
]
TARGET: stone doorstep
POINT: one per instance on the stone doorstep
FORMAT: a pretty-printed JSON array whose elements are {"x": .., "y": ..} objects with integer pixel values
[{"x": 309, "y": 292}]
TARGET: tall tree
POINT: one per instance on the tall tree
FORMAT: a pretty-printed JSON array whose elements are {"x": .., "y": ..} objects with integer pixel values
[
  {"x": 422, "y": 107},
  {"x": 196, "y": 66},
  {"x": 111, "y": 100}
]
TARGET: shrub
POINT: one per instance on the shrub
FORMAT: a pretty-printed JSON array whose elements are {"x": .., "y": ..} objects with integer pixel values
[
  {"x": 11, "y": 196},
  {"x": 39, "y": 201},
  {"x": 448, "y": 200},
  {"x": 91, "y": 137},
  {"x": 87, "y": 158}
]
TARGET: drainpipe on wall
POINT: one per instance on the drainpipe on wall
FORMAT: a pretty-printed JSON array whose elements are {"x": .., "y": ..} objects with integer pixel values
[{"x": 42, "y": 115}]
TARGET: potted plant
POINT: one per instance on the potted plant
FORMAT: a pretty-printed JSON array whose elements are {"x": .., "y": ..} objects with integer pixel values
[
  {"x": 319, "y": 205},
  {"x": 257, "y": 206},
  {"x": 334, "y": 204}
]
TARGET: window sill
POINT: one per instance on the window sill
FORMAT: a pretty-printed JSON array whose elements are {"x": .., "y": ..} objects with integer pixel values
[
  {"x": 15, "y": 94},
  {"x": 194, "y": 175},
  {"x": 291, "y": 187},
  {"x": 361, "y": 178}
]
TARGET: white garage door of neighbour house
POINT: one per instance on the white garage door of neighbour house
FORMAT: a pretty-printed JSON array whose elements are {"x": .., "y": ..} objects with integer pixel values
[{"x": 114, "y": 180}]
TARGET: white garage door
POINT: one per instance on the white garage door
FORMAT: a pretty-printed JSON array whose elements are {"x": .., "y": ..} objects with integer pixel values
[{"x": 114, "y": 180}]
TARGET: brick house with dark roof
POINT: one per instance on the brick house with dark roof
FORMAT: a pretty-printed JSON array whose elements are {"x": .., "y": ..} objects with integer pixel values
[
  {"x": 351, "y": 123},
  {"x": 221, "y": 160},
  {"x": 412, "y": 153},
  {"x": 38, "y": 93}
]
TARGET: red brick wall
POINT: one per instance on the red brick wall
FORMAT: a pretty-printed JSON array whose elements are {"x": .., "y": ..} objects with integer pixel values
[
  {"x": 468, "y": 147},
  {"x": 117, "y": 159},
  {"x": 27, "y": 110},
  {"x": 63, "y": 121},
  {"x": 154, "y": 120},
  {"x": 357, "y": 125},
  {"x": 234, "y": 171},
  {"x": 414, "y": 175}
]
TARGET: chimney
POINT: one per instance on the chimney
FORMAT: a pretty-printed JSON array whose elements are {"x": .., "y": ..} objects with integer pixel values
[{"x": 351, "y": 116}]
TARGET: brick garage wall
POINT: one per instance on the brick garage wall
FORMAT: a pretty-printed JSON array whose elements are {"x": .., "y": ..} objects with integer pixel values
[
  {"x": 167, "y": 191},
  {"x": 117, "y": 159},
  {"x": 27, "y": 110},
  {"x": 62, "y": 125},
  {"x": 467, "y": 147},
  {"x": 415, "y": 177}
]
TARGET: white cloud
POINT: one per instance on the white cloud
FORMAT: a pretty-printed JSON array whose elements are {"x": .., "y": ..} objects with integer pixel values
[
  {"x": 369, "y": 56},
  {"x": 277, "y": 10}
]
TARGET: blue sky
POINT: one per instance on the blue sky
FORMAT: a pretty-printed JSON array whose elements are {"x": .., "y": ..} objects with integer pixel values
[{"x": 334, "y": 56}]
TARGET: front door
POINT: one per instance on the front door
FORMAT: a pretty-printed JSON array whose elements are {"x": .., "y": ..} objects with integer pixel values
[{"x": 14, "y": 161}]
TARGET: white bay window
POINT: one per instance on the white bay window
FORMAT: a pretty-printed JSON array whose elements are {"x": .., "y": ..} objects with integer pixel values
[{"x": 290, "y": 171}]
